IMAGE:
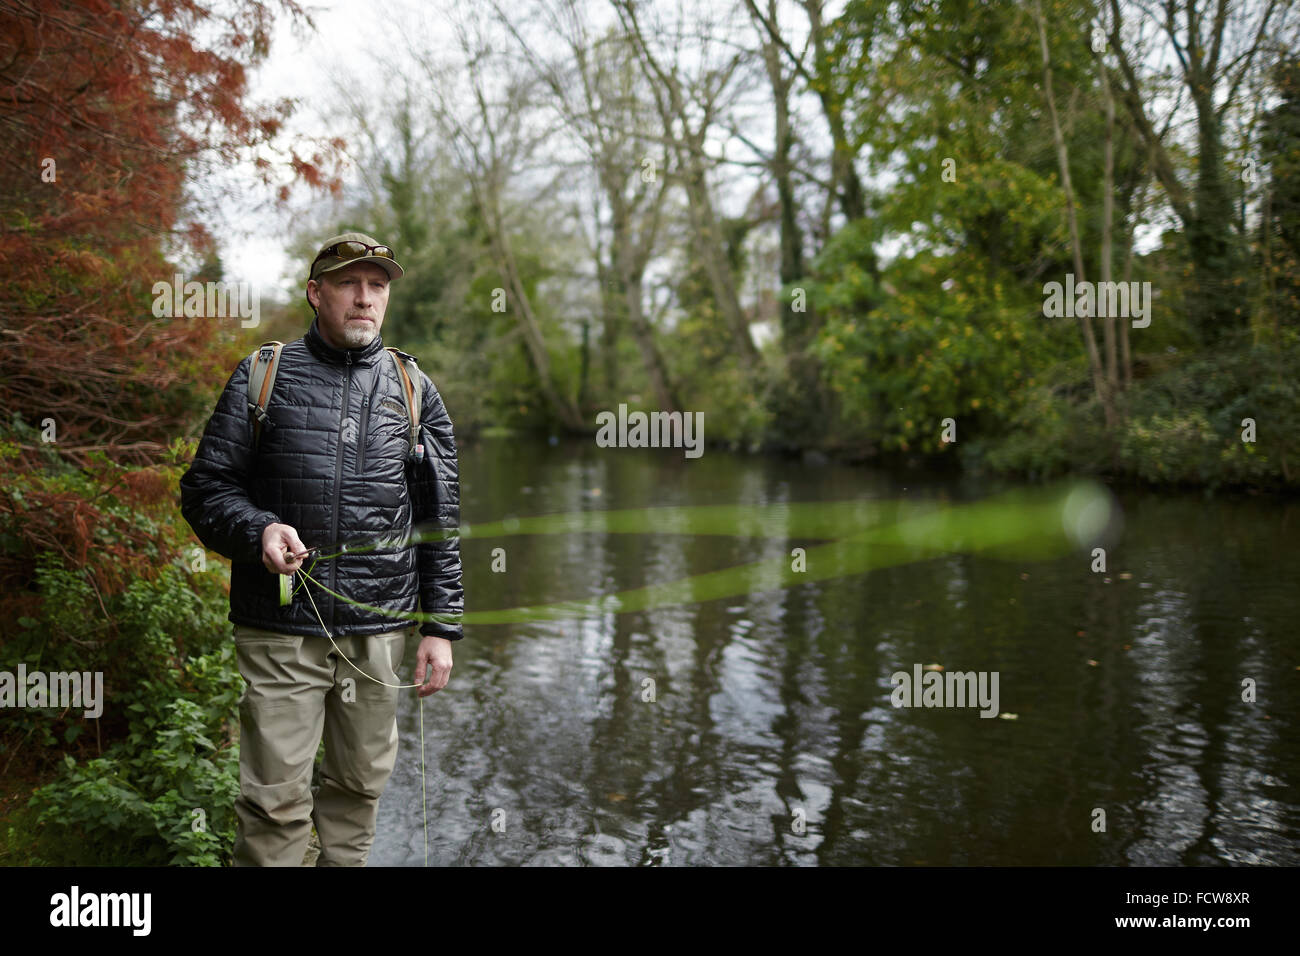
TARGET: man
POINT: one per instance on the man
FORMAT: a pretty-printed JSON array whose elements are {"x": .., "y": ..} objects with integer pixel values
[{"x": 330, "y": 465}]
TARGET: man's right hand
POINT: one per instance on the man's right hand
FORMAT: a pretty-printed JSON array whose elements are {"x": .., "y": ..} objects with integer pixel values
[{"x": 278, "y": 542}]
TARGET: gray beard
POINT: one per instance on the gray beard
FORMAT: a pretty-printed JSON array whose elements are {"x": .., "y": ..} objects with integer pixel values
[{"x": 358, "y": 336}]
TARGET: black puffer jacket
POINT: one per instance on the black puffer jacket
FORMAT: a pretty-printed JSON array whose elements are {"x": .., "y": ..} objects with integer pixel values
[{"x": 332, "y": 463}]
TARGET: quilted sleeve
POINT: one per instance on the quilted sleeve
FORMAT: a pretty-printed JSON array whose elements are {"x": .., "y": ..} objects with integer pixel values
[
  {"x": 216, "y": 489},
  {"x": 436, "y": 505}
]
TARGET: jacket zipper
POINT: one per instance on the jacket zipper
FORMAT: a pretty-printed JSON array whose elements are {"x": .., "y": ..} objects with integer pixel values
[
  {"x": 338, "y": 482},
  {"x": 361, "y": 437}
]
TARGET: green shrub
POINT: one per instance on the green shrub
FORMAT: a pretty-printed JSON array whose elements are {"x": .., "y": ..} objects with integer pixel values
[
  {"x": 103, "y": 576},
  {"x": 1185, "y": 425},
  {"x": 164, "y": 795}
]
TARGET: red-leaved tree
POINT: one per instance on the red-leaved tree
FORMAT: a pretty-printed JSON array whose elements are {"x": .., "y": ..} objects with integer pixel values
[{"x": 108, "y": 111}]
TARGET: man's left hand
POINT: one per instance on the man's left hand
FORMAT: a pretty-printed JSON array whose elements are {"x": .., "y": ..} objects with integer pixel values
[{"x": 434, "y": 654}]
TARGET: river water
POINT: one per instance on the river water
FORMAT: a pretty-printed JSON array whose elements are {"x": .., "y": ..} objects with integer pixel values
[{"x": 760, "y": 728}]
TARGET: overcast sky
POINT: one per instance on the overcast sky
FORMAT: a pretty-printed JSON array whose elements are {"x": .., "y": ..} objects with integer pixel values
[
  {"x": 364, "y": 42},
  {"x": 352, "y": 38}
]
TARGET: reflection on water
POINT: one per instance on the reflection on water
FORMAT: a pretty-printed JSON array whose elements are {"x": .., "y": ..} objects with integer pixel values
[{"x": 759, "y": 729}]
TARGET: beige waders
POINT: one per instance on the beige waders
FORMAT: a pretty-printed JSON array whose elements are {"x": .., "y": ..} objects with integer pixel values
[{"x": 297, "y": 687}]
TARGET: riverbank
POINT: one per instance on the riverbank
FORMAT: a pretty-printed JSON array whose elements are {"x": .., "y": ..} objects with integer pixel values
[{"x": 1221, "y": 425}]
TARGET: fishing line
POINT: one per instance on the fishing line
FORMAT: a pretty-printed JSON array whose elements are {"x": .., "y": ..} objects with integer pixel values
[
  {"x": 864, "y": 536},
  {"x": 424, "y": 802},
  {"x": 860, "y": 536}
]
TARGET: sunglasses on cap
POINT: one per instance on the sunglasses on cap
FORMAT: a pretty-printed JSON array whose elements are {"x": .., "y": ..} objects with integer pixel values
[{"x": 352, "y": 249}]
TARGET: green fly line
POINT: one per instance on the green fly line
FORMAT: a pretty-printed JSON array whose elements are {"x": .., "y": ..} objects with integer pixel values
[
  {"x": 864, "y": 536},
  {"x": 861, "y": 536}
]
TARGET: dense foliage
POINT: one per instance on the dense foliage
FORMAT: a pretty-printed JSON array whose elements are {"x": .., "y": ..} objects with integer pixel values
[{"x": 110, "y": 111}]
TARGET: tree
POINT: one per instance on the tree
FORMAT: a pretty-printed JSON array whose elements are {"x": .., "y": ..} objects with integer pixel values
[
  {"x": 1279, "y": 223},
  {"x": 1217, "y": 47},
  {"x": 689, "y": 106},
  {"x": 489, "y": 144},
  {"x": 107, "y": 109},
  {"x": 602, "y": 99},
  {"x": 1099, "y": 380}
]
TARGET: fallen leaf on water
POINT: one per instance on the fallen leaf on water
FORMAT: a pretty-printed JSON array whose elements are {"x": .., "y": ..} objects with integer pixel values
[
  {"x": 1125, "y": 576},
  {"x": 1009, "y": 716},
  {"x": 932, "y": 667},
  {"x": 615, "y": 797},
  {"x": 1092, "y": 663}
]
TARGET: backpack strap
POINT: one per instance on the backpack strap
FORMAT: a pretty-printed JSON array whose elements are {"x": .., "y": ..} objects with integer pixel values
[
  {"x": 264, "y": 363},
  {"x": 408, "y": 373}
]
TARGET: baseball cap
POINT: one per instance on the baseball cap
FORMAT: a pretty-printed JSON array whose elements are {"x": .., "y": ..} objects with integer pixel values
[{"x": 335, "y": 261}]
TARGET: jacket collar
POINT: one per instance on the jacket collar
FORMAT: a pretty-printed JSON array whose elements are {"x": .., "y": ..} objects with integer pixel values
[{"x": 326, "y": 352}]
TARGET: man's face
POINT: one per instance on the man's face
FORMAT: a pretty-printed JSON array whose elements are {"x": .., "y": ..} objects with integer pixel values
[{"x": 350, "y": 304}]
